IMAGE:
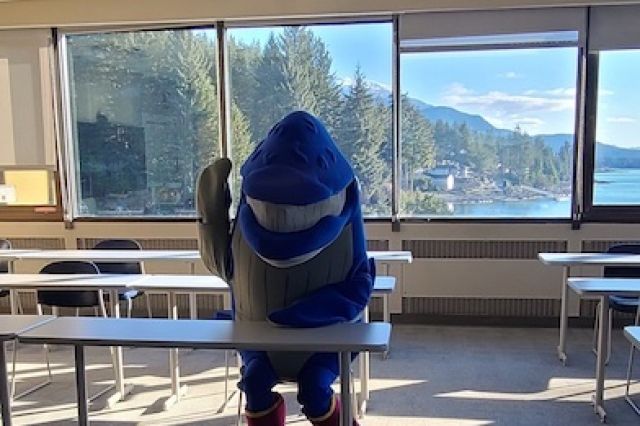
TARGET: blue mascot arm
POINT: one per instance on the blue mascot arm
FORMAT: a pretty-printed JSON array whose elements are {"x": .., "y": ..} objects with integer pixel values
[{"x": 334, "y": 303}]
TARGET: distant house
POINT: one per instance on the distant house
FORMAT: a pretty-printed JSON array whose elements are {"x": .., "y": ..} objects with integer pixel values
[{"x": 442, "y": 178}]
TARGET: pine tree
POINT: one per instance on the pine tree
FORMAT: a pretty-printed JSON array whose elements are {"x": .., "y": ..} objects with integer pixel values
[
  {"x": 295, "y": 73},
  {"x": 417, "y": 143},
  {"x": 361, "y": 136}
]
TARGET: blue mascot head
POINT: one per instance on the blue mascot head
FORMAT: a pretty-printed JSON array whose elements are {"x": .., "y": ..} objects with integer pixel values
[{"x": 296, "y": 182}]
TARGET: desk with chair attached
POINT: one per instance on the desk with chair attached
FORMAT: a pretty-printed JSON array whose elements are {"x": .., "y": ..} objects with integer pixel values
[
  {"x": 10, "y": 327},
  {"x": 209, "y": 334},
  {"x": 603, "y": 288}
]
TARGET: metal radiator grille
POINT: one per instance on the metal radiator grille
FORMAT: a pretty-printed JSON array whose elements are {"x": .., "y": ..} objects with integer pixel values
[
  {"x": 482, "y": 307},
  {"x": 478, "y": 249},
  {"x": 147, "y": 243}
]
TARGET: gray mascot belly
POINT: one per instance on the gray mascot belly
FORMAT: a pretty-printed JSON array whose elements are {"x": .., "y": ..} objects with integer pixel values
[{"x": 260, "y": 288}]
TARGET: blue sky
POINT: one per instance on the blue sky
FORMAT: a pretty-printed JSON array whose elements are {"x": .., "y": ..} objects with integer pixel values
[{"x": 533, "y": 89}]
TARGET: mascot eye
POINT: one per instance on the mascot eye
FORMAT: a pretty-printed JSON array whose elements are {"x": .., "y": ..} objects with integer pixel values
[
  {"x": 275, "y": 129},
  {"x": 310, "y": 124},
  {"x": 331, "y": 155},
  {"x": 269, "y": 157},
  {"x": 300, "y": 155},
  {"x": 256, "y": 155},
  {"x": 322, "y": 162}
]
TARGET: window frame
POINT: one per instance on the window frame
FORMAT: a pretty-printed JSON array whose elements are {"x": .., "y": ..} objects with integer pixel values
[
  {"x": 600, "y": 40},
  {"x": 68, "y": 145},
  {"x": 574, "y": 213}
]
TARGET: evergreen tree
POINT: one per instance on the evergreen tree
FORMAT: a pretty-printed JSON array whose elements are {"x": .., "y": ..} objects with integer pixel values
[
  {"x": 361, "y": 135},
  {"x": 244, "y": 59},
  {"x": 417, "y": 143},
  {"x": 295, "y": 73}
]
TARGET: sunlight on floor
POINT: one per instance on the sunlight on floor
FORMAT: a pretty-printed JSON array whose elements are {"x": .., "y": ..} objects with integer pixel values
[
  {"x": 441, "y": 421},
  {"x": 560, "y": 389}
]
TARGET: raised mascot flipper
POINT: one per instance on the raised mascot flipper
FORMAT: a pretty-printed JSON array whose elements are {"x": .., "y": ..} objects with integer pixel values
[{"x": 213, "y": 200}]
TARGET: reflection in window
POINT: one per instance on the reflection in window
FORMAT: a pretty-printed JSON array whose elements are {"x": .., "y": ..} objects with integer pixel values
[
  {"x": 144, "y": 119},
  {"x": 488, "y": 133},
  {"x": 617, "y": 160},
  {"x": 340, "y": 73}
]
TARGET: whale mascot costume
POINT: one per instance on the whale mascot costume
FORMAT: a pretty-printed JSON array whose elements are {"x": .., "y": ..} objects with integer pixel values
[{"x": 295, "y": 256}]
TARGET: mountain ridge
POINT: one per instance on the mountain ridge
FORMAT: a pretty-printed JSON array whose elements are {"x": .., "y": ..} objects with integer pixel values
[{"x": 607, "y": 155}]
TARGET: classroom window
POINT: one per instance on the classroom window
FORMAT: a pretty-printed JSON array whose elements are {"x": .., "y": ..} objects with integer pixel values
[
  {"x": 612, "y": 174},
  {"x": 488, "y": 133},
  {"x": 143, "y": 120},
  {"x": 339, "y": 72}
]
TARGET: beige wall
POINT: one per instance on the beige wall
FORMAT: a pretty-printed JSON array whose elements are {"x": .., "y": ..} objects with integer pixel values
[
  {"x": 489, "y": 277},
  {"x": 55, "y": 13}
]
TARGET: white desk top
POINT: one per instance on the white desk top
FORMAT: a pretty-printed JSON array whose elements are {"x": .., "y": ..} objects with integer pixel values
[
  {"x": 12, "y": 254},
  {"x": 391, "y": 256},
  {"x": 606, "y": 286},
  {"x": 188, "y": 283},
  {"x": 209, "y": 334},
  {"x": 142, "y": 255},
  {"x": 608, "y": 259},
  {"x": 632, "y": 333},
  {"x": 67, "y": 281},
  {"x": 211, "y": 283},
  {"x": 113, "y": 255},
  {"x": 11, "y": 325}
]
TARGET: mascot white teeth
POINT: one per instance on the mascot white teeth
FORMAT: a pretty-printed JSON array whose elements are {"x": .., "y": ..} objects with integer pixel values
[{"x": 295, "y": 256}]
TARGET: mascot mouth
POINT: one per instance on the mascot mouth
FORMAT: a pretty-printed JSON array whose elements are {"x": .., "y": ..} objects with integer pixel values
[
  {"x": 269, "y": 228},
  {"x": 284, "y": 218}
]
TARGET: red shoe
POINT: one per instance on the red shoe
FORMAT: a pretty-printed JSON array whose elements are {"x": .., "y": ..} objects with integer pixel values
[
  {"x": 332, "y": 418},
  {"x": 273, "y": 416}
]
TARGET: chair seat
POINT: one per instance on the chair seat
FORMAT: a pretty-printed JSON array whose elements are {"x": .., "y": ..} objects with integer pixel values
[
  {"x": 68, "y": 298},
  {"x": 627, "y": 305},
  {"x": 223, "y": 315}
]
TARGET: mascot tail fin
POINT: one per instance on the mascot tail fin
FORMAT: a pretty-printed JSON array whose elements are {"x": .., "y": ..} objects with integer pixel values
[{"x": 213, "y": 200}]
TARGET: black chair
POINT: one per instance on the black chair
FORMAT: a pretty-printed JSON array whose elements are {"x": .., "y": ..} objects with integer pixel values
[
  {"x": 71, "y": 298},
  {"x": 123, "y": 268},
  {"x": 628, "y": 305},
  {"x": 68, "y": 299},
  {"x": 61, "y": 298}
]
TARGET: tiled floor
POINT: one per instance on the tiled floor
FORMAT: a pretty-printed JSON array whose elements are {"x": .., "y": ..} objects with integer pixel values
[{"x": 436, "y": 375}]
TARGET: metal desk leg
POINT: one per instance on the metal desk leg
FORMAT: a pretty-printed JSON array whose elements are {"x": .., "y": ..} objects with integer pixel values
[
  {"x": 177, "y": 392},
  {"x": 193, "y": 297},
  {"x": 603, "y": 336},
  {"x": 13, "y": 294},
  {"x": 13, "y": 301},
  {"x": 4, "y": 391},
  {"x": 193, "y": 305},
  {"x": 386, "y": 318},
  {"x": 345, "y": 393},
  {"x": 81, "y": 386},
  {"x": 121, "y": 389},
  {"x": 364, "y": 375},
  {"x": 564, "y": 316}
]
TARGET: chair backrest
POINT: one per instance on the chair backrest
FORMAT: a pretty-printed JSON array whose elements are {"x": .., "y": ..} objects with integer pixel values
[
  {"x": 4, "y": 264},
  {"x": 623, "y": 271},
  {"x": 69, "y": 298},
  {"x": 119, "y": 267}
]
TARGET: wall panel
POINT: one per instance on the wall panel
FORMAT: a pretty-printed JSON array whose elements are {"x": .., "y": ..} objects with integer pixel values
[{"x": 55, "y": 13}]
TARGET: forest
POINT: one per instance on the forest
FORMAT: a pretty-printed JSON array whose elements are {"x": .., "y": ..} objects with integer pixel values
[{"x": 161, "y": 89}]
